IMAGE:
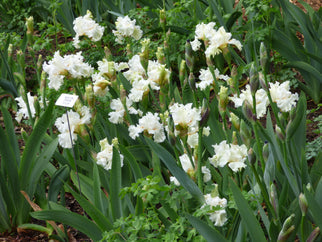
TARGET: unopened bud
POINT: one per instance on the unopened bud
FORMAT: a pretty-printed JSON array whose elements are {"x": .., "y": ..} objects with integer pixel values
[
  {"x": 10, "y": 49},
  {"x": 234, "y": 139},
  {"x": 315, "y": 233},
  {"x": 192, "y": 81},
  {"x": 273, "y": 198},
  {"x": 309, "y": 187},
  {"x": 253, "y": 79},
  {"x": 288, "y": 228},
  {"x": 39, "y": 62},
  {"x": 89, "y": 95},
  {"x": 24, "y": 135},
  {"x": 245, "y": 133},
  {"x": 235, "y": 121},
  {"x": 171, "y": 136},
  {"x": 129, "y": 51},
  {"x": 160, "y": 55},
  {"x": 162, "y": 19},
  {"x": 251, "y": 156},
  {"x": 303, "y": 204},
  {"x": 182, "y": 71},
  {"x": 115, "y": 142},
  {"x": 204, "y": 113},
  {"x": 279, "y": 132},
  {"x": 248, "y": 111},
  {"x": 223, "y": 98},
  {"x": 144, "y": 55},
  {"x": 262, "y": 81},
  {"x": 263, "y": 56},
  {"x": 265, "y": 151},
  {"x": 189, "y": 56},
  {"x": 30, "y": 25}
]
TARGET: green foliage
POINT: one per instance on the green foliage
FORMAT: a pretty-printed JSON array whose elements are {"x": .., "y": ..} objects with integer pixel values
[{"x": 18, "y": 171}]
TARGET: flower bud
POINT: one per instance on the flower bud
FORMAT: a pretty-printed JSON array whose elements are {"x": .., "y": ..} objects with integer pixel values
[
  {"x": 248, "y": 111},
  {"x": 24, "y": 135},
  {"x": 171, "y": 136},
  {"x": 115, "y": 142},
  {"x": 273, "y": 198},
  {"x": 265, "y": 151},
  {"x": 235, "y": 121},
  {"x": 253, "y": 79},
  {"x": 204, "y": 113},
  {"x": 245, "y": 133},
  {"x": 251, "y": 156},
  {"x": 288, "y": 228},
  {"x": 234, "y": 139},
  {"x": 279, "y": 132},
  {"x": 144, "y": 55},
  {"x": 223, "y": 99},
  {"x": 189, "y": 56},
  {"x": 182, "y": 71},
  {"x": 263, "y": 56},
  {"x": 309, "y": 187},
  {"x": 262, "y": 81},
  {"x": 39, "y": 62},
  {"x": 42, "y": 83},
  {"x": 315, "y": 233},
  {"x": 89, "y": 96},
  {"x": 129, "y": 51},
  {"x": 192, "y": 81},
  {"x": 30, "y": 25},
  {"x": 162, "y": 19},
  {"x": 10, "y": 49},
  {"x": 303, "y": 204},
  {"x": 160, "y": 55}
]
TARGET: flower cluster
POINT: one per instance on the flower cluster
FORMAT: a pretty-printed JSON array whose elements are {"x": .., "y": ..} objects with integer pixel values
[
  {"x": 76, "y": 122},
  {"x": 105, "y": 156},
  {"x": 231, "y": 154},
  {"x": 125, "y": 27},
  {"x": 86, "y": 26},
  {"x": 156, "y": 76},
  {"x": 280, "y": 94},
  {"x": 68, "y": 66},
  {"x": 215, "y": 40}
]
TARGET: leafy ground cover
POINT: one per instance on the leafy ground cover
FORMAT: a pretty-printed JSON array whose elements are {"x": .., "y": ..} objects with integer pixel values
[{"x": 269, "y": 188}]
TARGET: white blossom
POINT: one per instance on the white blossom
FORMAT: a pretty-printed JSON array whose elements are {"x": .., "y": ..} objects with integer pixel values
[
  {"x": 105, "y": 156},
  {"x": 207, "y": 79},
  {"x": 125, "y": 27},
  {"x": 75, "y": 121},
  {"x": 282, "y": 96},
  {"x": 150, "y": 123},
  {"x": 23, "y": 110},
  {"x": 86, "y": 26},
  {"x": 70, "y": 65},
  {"x": 100, "y": 85},
  {"x": 185, "y": 115},
  {"x": 206, "y": 174},
  {"x": 246, "y": 95},
  {"x": 219, "y": 41},
  {"x": 218, "y": 216},
  {"x": 119, "y": 111},
  {"x": 231, "y": 154}
]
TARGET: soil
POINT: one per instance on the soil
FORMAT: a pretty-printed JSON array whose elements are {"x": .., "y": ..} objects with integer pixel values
[{"x": 72, "y": 204}]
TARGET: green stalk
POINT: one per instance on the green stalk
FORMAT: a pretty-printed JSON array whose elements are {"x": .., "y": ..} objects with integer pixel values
[
  {"x": 199, "y": 172},
  {"x": 264, "y": 192}
]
